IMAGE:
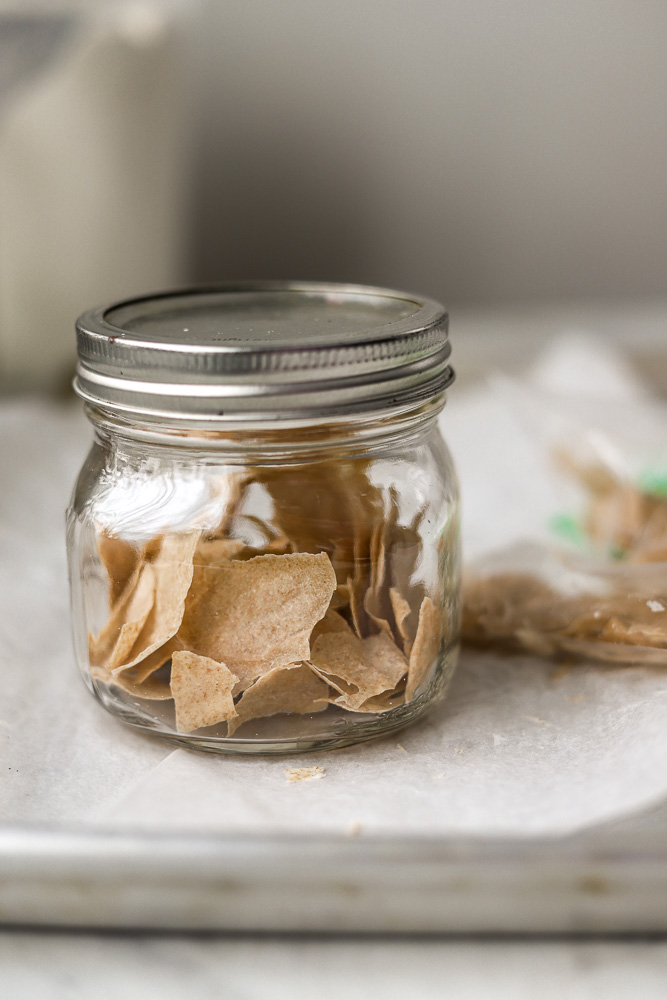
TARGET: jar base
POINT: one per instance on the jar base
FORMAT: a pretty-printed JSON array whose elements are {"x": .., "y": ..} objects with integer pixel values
[{"x": 336, "y": 729}]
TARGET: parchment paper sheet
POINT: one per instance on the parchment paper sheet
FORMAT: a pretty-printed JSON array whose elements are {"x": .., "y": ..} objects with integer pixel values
[{"x": 519, "y": 747}]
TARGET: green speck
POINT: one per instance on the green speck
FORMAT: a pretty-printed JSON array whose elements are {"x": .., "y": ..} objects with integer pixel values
[
  {"x": 654, "y": 481},
  {"x": 568, "y": 528}
]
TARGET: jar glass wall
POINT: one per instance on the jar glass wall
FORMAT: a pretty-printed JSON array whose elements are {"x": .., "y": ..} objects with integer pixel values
[{"x": 270, "y": 589}]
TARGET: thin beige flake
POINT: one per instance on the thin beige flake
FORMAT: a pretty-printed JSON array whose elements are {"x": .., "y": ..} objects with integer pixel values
[
  {"x": 382, "y": 703},
  {"x": 387, "y": 667},
  {"x": 292, "y": 689},
  {"x": 155, "y": 660},
  {"x": 151, "y": 549},
  {"x": 257, "y": 614},
  {"x": 620, "y": 518},
  {"x": 276, "y": 547},
  {"x": 496, "y": 607},
  {"x": 100, "y": 645},
  {"x": 367, "y": 667},
  {"x": 341, "y": 597},
  {"x": 425, "y": 648},
  {"x": 374, "y": 612},
  {"x": 152, "y": 690},
  {"x": 138, "y": 610},
  {"x": 280, "y": 546},
  {"x": 622, "y": 618},
  {"x": 389, "y": 529},
  {"x": 634, "y": 633},
  {"x": 173, "y": 575},
  {"x": 405, "y": 549},
  {"x": 120, "y": 559},
  {"x": 360, "y": 581},
  {"x": 332, "y": 622},
  {"x": 401, "y": 610},
  {"x": 234, "y": 484},
  {"x": 337, "y": 684},
  {"x": 375, "y": 554},
  {"x": 340, "y": 655},
  {"x": 210, "y": 551},
  {"x": 385, "y": 659},
  {"x": 202, "y": 691},
  {"x": 324, "y": 507},
  {"x": 356, "y": 608},
  {"x": 520, "y": 610},
  {"x": 133, "y": 606},
  {"x": 377, "y": 604}
]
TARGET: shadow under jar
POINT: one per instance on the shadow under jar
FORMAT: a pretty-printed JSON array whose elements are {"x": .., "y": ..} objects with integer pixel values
[{"x": 263, "y": 541}]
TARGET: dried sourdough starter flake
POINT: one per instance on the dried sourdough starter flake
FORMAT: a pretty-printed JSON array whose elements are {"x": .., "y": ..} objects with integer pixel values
[
  {"x": 425, "y": 647},
  {"x": 257, "y": 614},
  {"x": 367, "y": 667},
  {"x": 120, "y": 559},
  {"x": 394, "y": 596},
  {"x": 367, "y": 529},
  {"x": 613, "y": 621},
  {"x": 233, "y": 486},
  {"x": 210, "y": 551},
  {"x": 376, "y": 614},
  {"x": 341, "y": 597},
  {"x": 376, "y": 601},
  {"x": 401, "y": 610},
  {"x": 382, "y": 702},
  {"x": 292, "y": 689},
  {"x": 152, "y": 689},
  {"x": 138, "y": 610},
  {"x": 357, "y": 610},
  {"x": 498, "y": 606},
  {"x": 202, "y": 691},
  {"x": 621, "y": 517},
  {"x": 155, "y": 660},
  {"x": 518, "y": 609},
  {"x": 385, "y": 658},
  {"x": 329, "y": 506},
  {"x": 126, "y": 620},
  {"x": 173, "y": 570},
  {"x": 634, "y": 633},
  {"x": 332, "y": 622}
]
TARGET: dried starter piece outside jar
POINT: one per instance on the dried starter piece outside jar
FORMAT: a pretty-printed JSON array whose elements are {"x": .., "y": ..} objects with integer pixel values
[{"x": 263, "y": 541}]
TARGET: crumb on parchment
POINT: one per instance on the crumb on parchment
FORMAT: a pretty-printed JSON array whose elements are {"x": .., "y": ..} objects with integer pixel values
[{"x": 293, "y": 775}]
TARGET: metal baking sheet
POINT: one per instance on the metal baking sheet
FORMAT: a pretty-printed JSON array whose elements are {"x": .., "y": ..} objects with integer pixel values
[{"x": 601, "y": 883}]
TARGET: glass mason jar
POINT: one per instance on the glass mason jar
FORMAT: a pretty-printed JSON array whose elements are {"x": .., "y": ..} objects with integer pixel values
[{"x": 263, "y": 541}]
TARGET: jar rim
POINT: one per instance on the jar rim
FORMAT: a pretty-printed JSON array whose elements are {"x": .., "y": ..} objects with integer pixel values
[{"x": 263, "y": 350}]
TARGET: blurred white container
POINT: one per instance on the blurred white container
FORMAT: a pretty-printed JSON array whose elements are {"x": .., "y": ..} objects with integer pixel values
[{"x": 92, "y": 176}]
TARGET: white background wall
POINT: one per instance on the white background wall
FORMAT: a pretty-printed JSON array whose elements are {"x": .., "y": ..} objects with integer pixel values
[
  {"x": 496, "y": 151},
  {"x": 481, "y": 151}
]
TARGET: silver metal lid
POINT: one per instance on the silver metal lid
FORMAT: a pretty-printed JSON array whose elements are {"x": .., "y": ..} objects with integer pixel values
[{"x": 265, "y": 350}]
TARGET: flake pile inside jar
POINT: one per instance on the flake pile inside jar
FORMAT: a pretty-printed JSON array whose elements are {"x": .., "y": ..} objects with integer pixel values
[{"x": 325, "y": 613}]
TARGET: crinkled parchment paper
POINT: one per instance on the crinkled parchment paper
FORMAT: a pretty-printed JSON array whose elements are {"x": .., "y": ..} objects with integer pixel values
[{"x": 519, "y": 747}]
